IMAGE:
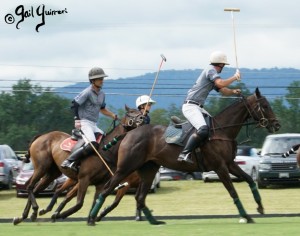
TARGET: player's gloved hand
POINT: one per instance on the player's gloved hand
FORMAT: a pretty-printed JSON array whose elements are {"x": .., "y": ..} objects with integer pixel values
[{"x": 237, "y": 75}]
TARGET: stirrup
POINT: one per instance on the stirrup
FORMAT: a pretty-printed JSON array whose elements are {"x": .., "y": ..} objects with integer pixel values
[
  {"x": 69, "y": 165},
  {"x": 66, "y": 163},
  {"x": 73, "y": 166},
  {"x": 185, "y": 157}
]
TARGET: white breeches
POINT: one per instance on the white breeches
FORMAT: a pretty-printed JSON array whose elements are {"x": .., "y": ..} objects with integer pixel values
[{"x": 194, "y": 115}]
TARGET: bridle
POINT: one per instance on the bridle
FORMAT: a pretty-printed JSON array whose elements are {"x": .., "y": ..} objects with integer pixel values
[
  {"x": 133, "y": 120},
  {"x": 257, "y": 111},
  {"x": 253, "y": 112}
]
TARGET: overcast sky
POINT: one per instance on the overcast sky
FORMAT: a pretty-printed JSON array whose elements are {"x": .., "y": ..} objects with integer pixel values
[{"x": 127, "y": 37}]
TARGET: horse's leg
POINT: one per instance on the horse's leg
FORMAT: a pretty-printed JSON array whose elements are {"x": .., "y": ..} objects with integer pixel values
[
  {"x": 98, "y": 189},
  {"x": 33, "y": 188},
  {"x": 17, "y": 220},
  {"x": 68, "y": 184},
  {"x": 237, "y": 171},
  {"x": 70, "y": 195},
  {"x": 108, "y": 188},
  {"x": 119, "y": 195},
  {"x": 42, "y": 184},
  {"x": 138, "y": 212},
  {"x": 83, "y": 184},
  {"x": 147, "y": 173},
  {"x": 223, "y": 174}
]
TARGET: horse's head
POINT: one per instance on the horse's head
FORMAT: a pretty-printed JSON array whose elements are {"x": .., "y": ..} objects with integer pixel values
[
  {"x": 261, "y": 111},
  {"x": 133, "y": 118}
]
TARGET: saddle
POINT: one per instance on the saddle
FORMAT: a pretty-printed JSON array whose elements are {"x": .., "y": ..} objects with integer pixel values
[
  {"x": 69, "y": 144},
  {"x": 179, "y": 130}
]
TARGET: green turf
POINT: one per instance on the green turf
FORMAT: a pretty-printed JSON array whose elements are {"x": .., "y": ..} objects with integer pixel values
[
  {"x": 267, "y": 226},
  {"x": 174, "y": 198}
]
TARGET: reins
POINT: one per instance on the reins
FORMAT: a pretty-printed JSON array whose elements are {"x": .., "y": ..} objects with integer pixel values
[
  {"x": 237, "y": 124},
  {"x": 263, "y": 122}
]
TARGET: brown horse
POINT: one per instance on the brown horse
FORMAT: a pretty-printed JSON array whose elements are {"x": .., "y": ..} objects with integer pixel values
[
  {"x": 144, "y": 149},
  {"x": 47, "y": 156}
]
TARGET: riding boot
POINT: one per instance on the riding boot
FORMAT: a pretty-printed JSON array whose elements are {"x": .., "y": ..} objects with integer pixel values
[
  {"x": 72, "y": 161},
  {"x": 196, "y": 139},
  {"x": 192, "y": 143}
]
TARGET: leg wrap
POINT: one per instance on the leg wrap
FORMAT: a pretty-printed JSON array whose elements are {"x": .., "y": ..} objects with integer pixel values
[
  {"x": 149, "y": 216},
  {"x": 240, "y": 207},
  {"x": 97, "y": 206},
  {"x": 255, "y": 192}
]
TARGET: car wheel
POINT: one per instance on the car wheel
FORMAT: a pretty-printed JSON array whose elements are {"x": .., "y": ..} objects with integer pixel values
[
  {"x": 254, "y": 174},
  {"x": 189, "y": 177},
  {"x": 10, "y": 181}
]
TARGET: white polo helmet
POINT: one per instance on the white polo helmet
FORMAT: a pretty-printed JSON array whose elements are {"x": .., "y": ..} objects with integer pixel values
[
  {"x": 218, "y": 57},
  {"x": 141, "y": 100},
  {"x": 96, "y": 73}
]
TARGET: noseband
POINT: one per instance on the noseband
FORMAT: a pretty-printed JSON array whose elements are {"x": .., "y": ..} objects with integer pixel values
[
  {"x": 133, "y": 120},
  {"x": 256, "y": 112}
]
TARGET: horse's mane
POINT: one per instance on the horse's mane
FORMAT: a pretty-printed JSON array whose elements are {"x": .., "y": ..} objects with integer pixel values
[{"x": 229, "y": 107}]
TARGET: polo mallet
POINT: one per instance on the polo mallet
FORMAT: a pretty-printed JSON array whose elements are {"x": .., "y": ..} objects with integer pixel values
[
  {"x": 101, "y": 158},
  {"x": 233, "y": 26},
  {"x": 163, "y": 59}
]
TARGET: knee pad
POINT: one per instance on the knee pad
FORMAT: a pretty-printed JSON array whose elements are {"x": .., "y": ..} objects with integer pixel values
[{"x": 203, "y": 132}]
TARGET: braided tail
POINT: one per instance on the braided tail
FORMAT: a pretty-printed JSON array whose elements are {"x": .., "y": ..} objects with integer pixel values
[{"x": 293, "y": 150}]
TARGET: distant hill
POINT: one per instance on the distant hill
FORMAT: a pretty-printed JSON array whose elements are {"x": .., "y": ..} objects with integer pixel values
[{"x": 172, "y": 85}]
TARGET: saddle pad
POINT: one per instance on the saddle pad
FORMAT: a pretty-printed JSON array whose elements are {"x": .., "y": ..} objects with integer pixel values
[
  {"x": 173, "y": 135},
  {"x": 68, "y": 144}
]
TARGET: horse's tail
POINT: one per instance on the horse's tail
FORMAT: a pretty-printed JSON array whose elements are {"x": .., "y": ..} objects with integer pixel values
[
  {"x": 27, "y": 155},
  {"x": 293, "y": 150}
]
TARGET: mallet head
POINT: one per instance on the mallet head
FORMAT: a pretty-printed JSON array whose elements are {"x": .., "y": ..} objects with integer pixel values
[
  {"x": 163, "y": 57},
  {"x": 232, "y": 9}
]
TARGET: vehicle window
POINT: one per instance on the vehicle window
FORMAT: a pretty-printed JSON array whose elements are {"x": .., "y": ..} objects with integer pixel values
[
  {"x": 9, "y": 154},
  {"x": 1, "y": 153},
  {"x": 28, "y": 166},
  {"x": 279, "y": 145},
  {"x": 243, "y": 152},
  {"x": 253, "y": 152}
]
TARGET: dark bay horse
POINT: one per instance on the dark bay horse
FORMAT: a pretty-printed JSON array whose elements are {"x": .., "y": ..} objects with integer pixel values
[
  {"x": 47, "y": 156},
  {"x": 144, "y": 149}
]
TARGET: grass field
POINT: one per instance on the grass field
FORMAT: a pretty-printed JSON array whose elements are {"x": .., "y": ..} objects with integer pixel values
[
  {"x": 176, "y": 198},
  {"x": 213, "y": 227}
]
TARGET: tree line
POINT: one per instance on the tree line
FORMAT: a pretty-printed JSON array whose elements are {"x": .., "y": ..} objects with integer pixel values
[{"x": 30, "y": 110}]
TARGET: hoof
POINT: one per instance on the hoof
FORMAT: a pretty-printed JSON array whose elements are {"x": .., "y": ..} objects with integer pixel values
[
  {"x": 138, "y": 218},
  {"x": 16, "y": 220},
  {"x": 99, "y": 218},
  {"x": 42, "y": 212},
  {"x": 54, "y": 217},
  {"x": 33, "y": 217},
  {"x": 91, "y": 223},
  {"x": 261, "y": 210},
  {"x": 157, "y": 222},
  {"x": 250, "y": 220}
]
